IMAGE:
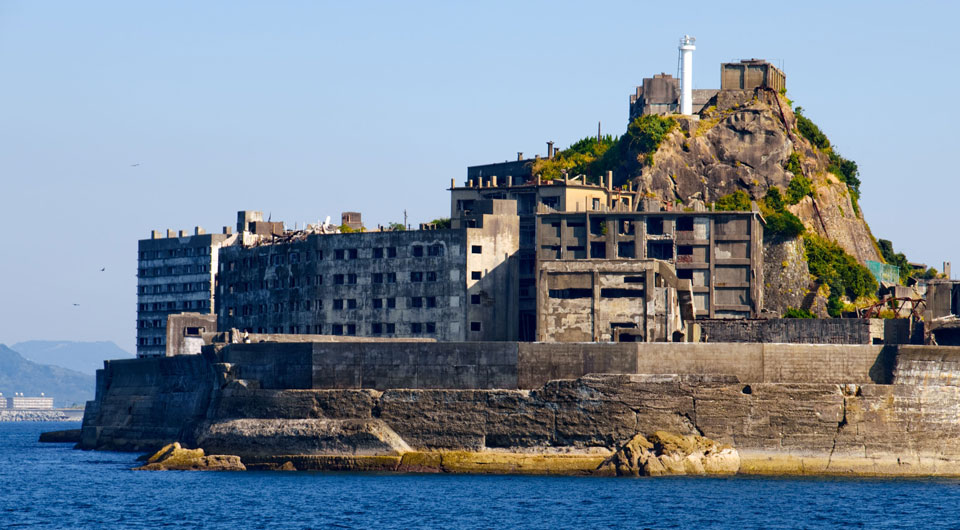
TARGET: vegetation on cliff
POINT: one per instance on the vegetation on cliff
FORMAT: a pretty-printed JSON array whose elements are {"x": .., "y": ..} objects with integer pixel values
[
  {"x": 780, "y": 223},
  {"x": 594, "y": 156},
  {"x": 846, "y": 170},
  {"x": 839, "y": 271},
  {"x": 900, "y": 261}
]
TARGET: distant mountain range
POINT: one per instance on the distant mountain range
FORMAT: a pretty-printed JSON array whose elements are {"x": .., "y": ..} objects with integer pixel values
[
  {"x": 66, "y": 387},
  {"x": 83, "y": 357}
]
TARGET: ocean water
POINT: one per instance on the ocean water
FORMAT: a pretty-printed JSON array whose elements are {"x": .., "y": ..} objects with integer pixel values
[{"x": 55, "y": 486}]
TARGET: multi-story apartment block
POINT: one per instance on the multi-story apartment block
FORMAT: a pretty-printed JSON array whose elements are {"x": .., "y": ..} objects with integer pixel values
[
  {"x": 456, "y": 284},
  {"x": 175, "y": 273},
  {"x": 533, "y": 195},
  {"x": 720, "y": 252}
]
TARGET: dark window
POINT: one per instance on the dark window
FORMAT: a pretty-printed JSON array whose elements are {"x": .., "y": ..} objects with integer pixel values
[
  {"x": 319, "y": 279},
  {"x": 391, "y": 277},
  {"x": 655, "y": 226},
  {"x": 418, "y": 251},
  {"x": 475, "y": 275},
  {"x": 685, "y": 274},
  {"x": 685, "y": 223},
  {"x": 431, "y": 301},
  {"x": 431, "y": 276},
  {"x": 416, "y": 301},
  {"x": 378, "y": 253},
  {"x": 626, "y": 249},
  {"x": 633, "y": 279},
  {"x": 378, "y": 303},
  {"x": 391, "y": 328},
  {"x": 378, "y": 277},
  {"x": 376, "y": 328},
  {"x": 474, "y": 299},
  {"x": 476, "y": 249},
  {"x": 352, "y": 254},
  {"x": 391, "y": 303},
  {"x": 684, "y": 250},
  {"x": 338, "y": 279},
  {"x": 474, "y": 326},
  {"x": 338, "y": 329},
  {"x": 571, "y": 293},
  {"x": 352, "y": 303},
  {"x": 294, "y": 257},
  {"x": 416, "y": 327},
  {"x": 352, "y": 279},
  {"x": 660, "y": 249},
  {"x": 435, "y": 250},
  {"x": 338, "y": 303},
  {"x": 338, "y": 254},
  {"x": 416, "y": 276},
  {"x": 431, "y": 327},
  {"x": 391, "y": 252},
  {"x": 351, "y": 329},
  {"x": 621, "y": 293},
  {"x": 598, "y": 250}
]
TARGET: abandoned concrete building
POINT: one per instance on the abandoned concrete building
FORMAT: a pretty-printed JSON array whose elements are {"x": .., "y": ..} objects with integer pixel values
[
  {"x": 174, "y": 273},
  {"x": 750, "y": 74},
  {"x": 618, "y": 300},
  {"x": 457, "y": 284},
  {"x": 532, "y": 196},
  {"x": 721, "y": 253},
  {"x": 660, "y": 94}
]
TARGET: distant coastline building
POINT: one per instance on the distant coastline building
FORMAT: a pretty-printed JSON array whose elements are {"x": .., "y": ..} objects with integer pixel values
[{"x": 20, "y": 402}]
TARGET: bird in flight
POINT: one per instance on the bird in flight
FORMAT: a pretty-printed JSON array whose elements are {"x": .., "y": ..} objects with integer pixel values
[
  {"x": 103, "y": 269},
  {"x": 135, "y": 165},
  {"x": 76, "y": 305}
]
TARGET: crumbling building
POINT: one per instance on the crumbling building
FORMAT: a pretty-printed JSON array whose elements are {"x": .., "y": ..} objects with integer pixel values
[
  {"x": 721, "y": 253},
  {"x": 455, "y": 284},
  {"x": 533, "y": 195}
]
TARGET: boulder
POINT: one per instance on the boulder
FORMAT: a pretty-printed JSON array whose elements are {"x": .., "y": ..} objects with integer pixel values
[
  {"x": 175, "y": 457},
  {"x": 667, "y": 453}
]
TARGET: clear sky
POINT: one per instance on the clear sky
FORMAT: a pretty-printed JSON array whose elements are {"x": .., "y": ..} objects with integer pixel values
[{"x": 306, "y": 109}]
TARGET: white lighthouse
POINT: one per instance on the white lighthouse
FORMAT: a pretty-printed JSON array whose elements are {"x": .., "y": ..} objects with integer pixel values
[{"x": 686, "y": 76}]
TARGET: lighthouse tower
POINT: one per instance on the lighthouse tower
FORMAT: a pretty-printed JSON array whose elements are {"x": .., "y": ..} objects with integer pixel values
[{"x": 686, "y": 75}]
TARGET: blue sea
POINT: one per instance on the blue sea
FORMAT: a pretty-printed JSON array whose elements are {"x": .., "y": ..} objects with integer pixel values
[{"x": 55, "y": 486}]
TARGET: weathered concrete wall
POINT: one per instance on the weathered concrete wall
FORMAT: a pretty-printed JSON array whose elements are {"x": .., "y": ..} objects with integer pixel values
[
  {"x": 928, "y": 365},
  {"x": 766, "y": 363},
  {"x": 807, "y": 330},
  {"x": 900, "y": 429},
  {"x": 142, "y": 404}
]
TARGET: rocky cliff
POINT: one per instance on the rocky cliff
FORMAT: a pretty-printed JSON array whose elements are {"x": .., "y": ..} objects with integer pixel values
[{"x": 745, "y": 142}]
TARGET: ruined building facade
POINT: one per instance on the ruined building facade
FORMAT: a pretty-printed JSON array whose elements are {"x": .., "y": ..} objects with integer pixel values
[
  {"x": 721, "y": 253},
  {"x": 451, "y": 285},
  {"x": 175, "y": 273},
  {"x": 533, "y": 196}
]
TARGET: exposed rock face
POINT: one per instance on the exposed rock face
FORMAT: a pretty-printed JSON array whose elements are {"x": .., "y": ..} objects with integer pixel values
[
  {"x": 744, "y": 143},
  {"x": 60, "y": 437},
  {"x": 787, "y": 281},
  {"x": 174, "y": 457},
  {"x": 673, "y": 454}
]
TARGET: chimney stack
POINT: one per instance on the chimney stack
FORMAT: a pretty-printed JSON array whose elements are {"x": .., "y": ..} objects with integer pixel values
[
  {"x": 519, "y": 156},
  {"x": 549, "y": 149},
  {"x": 609, "y": 180},
  {"x": 493, "y": 181},
  {"x": 171, "y": 233}
]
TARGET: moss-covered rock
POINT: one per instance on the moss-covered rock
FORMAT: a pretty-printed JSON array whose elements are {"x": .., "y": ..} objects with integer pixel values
[{"x": 175, "y": 457}]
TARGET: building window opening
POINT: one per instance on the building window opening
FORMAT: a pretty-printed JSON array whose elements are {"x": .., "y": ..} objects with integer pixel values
[
  {"x": 655, "y": 226},
  {"x": 565, "y": 294}
]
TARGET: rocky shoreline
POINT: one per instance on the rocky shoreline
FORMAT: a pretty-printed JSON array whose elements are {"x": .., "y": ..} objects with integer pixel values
[
  {"x": 40, "y": 415},
  {"x": 597, "y": 424}
]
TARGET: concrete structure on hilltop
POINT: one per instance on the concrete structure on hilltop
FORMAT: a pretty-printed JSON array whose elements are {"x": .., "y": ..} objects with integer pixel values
[
  {"x": 533, "y": 196},
  {"x": 750, "y": 74},
  {"x": 455, "y": 284},
  {"x": 660, "y": 94},
  {"x": 720, "y": 252}
]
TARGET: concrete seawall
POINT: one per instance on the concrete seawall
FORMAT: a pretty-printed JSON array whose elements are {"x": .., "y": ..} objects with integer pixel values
[{"x": 786, "y": 408}]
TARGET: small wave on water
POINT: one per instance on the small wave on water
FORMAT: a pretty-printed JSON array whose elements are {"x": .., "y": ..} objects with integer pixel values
[{"x": 55, "y": 486}]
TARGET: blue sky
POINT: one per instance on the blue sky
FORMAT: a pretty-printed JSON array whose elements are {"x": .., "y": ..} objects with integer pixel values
[{"x": 307, "y": 109}]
